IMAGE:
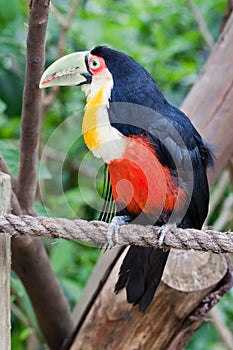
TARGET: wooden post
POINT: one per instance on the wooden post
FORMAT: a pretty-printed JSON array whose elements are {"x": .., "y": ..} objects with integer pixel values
[{"x": 5, "y": 266}]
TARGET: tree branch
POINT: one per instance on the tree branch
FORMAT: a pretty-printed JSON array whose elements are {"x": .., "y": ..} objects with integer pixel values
[
  {"x": 201, "y": 24},
  {"x": 225, "y": 214},
  {"x": 29, "y": 142},
  {"x": 208, "y": 104},
  {"x": 29, "y": 257},
  {"x": 96, "y": 232},
  {"x": 227, "y": 14},
  {"x": 221, "y": 328},
  {"x": 218, "y": 193},
  {"x": 47, "y": 99},
  {"x": 65, "y": 24},
  {"x": 230, "y": 168}
]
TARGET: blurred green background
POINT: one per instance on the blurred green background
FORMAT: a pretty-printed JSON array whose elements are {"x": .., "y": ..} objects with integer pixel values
[{"x": 164, "y": 37}]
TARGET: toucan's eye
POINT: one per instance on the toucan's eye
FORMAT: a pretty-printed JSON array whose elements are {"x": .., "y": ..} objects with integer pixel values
[{"x": 95, "y": 64}]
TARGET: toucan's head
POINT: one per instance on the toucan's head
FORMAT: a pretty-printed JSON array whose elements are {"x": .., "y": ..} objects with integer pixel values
[
  {"x": 77, "y": 68},
  {"x": 101, "y": 65}
]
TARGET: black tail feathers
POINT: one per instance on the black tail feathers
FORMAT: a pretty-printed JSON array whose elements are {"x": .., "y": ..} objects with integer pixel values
[{"x": 140, "y": 273}]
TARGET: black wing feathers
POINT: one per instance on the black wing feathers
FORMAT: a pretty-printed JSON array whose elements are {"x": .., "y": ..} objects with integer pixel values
[{"x": 178, "y": 146}]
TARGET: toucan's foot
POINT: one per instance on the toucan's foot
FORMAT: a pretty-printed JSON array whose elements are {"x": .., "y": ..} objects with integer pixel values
[
  {"x": 113, "y": 230},
  {"x": 164, "y": 229}
]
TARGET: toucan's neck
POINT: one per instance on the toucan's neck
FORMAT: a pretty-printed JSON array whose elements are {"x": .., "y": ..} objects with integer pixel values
[
  {"x": 102, "y": 80},
  {"x": 101, "y": 138}
]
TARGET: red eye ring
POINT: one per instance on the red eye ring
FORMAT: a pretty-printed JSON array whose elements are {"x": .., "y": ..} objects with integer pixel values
[{"x": 96, "y": 64}]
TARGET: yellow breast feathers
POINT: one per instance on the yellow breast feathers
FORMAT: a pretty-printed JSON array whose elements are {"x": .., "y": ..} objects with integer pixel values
[
  {"x": 101, "y": 138},
  {"x": 90, "y": 126}
]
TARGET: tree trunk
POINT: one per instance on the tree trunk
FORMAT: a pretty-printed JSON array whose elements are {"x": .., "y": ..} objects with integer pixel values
[
  {"x": 209, "y": 103},
  {"x": 171, "y": 319}
]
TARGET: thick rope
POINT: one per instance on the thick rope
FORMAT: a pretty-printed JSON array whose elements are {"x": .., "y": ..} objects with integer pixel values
[{"x": 95, "y": 232}]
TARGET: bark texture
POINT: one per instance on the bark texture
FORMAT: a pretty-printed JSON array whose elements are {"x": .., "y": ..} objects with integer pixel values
[{"x": 29, "y": 257}]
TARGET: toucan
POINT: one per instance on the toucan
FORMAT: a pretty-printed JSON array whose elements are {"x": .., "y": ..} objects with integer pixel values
[{"x": 156, "y": 160}]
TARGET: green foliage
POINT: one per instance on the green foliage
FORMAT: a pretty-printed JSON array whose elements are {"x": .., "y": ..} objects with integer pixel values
[
  {"x": 161, "y": 35},
  {"x": 23, "y": 318},
  {"x": 207, "y": 337},
  {"x": 12, "y": 55},
  {"x": 73, "y": 263},
  {"x": 11, "y": 154}
]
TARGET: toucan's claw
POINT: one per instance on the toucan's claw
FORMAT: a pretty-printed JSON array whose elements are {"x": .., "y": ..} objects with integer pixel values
[
  {"x": 113, "y": 230},
  {"x": 164, "y": 229}
]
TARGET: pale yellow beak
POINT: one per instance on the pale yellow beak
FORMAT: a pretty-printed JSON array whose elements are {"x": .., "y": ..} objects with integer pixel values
[{"x": 67, "y": 71}]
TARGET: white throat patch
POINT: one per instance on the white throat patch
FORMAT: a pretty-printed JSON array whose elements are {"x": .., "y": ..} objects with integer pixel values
[{"x": 101, "y": 138}]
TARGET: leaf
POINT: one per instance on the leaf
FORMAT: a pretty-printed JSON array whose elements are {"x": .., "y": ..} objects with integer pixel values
[
  {"x": 11, "y": 155},
  {"x": 62, "y": 255}
]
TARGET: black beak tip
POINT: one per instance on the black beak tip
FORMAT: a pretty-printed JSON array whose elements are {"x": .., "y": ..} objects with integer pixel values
[{"x": 88, "y": 77}]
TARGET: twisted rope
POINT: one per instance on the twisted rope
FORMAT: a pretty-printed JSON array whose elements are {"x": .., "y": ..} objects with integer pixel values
[{"x": 95, "y": 232}]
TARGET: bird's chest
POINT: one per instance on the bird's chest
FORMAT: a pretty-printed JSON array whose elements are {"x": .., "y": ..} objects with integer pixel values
[
  {"x": 101, "y": 138},
  {"x": 141, "y": 183}
]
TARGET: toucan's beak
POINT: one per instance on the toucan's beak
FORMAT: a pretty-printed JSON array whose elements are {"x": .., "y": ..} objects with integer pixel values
[{"x": 66, "y": 71}]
